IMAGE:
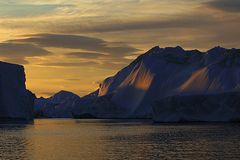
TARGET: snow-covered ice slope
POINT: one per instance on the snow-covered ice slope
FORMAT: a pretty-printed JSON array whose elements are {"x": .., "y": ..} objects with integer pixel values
[{"x": 161, "y": 73}]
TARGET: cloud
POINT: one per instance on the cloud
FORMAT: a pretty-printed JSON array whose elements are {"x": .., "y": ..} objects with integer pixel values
[
  {"x": 103, "y": 65},
  {"x": 87, "y": 55},
  {"x": 18, "y": 53},
  {"x": 183, "y": 21},
  {"x": 102, "y": 25},
  {"x": 73, "y": 79},
  {"x": 225, "y": 5},
  {"x": 68, "y": 64},
  {"x": 18, "y": 10},
  {"x": 78, "y": 42},
  {"x": 98, "y": 52}
]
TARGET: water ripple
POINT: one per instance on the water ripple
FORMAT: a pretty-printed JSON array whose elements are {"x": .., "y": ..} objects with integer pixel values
[{"x": 117, "y": 140}]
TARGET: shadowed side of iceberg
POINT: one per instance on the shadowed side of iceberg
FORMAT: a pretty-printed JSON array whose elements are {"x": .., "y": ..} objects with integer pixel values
[
  {"x": 223, "y": 107},
  {"x": 16, "y": 102}
]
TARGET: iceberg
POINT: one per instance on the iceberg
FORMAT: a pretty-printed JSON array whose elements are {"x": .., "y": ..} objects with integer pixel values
[
  {"x": 59, "y": 105},
  {"x": 161, "y": 73},
  {"x": 16, "y": 102}
]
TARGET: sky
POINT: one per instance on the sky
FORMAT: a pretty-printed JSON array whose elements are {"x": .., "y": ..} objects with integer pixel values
[{"x": 75, "y": 44}]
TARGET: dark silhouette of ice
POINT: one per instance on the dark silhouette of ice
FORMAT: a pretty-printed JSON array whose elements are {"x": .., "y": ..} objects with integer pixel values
[
  {"x": 224, "y": 107},
  {"x": 59, "y": 105},
  {"x": 16, "y": 102}
]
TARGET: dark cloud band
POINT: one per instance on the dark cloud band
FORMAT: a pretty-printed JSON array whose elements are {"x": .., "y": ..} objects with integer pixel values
[
  {"x": 78, "y": 42},
  {"x": 225, "y": 5},
  {"x": 17, "y": 53}
]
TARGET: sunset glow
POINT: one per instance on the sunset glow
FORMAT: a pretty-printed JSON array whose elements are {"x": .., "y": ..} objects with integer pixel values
[{"x": 75, "y": 44}]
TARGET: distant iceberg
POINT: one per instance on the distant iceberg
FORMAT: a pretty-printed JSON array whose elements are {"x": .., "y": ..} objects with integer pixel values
[{"x": 59, "y": 105}]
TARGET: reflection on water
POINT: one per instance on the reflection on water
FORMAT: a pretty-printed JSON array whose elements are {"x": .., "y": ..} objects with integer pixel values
[
  {"x": 13, "y": 142},
  {"x": 118, "y": 140}
]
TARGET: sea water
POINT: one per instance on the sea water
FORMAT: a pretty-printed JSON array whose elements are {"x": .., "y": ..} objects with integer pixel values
[{"x": 69, "y": 139}]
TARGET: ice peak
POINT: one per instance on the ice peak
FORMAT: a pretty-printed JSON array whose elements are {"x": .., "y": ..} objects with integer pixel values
[
  {"x": 177, "y": 50},
  {"x": 216, "y": 49},
  {"x": 154, "y": 50},
  {"x": 64, "y": 92}
]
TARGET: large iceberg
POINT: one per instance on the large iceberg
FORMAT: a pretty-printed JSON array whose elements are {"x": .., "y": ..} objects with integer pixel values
[
  {"x": 16, "y": 102},
  {"x": 59, "y": 105},
  {"x": 161, "y": 73}
]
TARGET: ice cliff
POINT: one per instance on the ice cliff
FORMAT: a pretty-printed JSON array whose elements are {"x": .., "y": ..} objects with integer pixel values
[
  {"x": 16, "y": 102},
  {"x": 223, "y": 107}
]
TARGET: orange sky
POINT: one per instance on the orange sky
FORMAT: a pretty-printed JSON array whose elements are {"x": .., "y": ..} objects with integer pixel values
[{"x": 74, "y": 44}]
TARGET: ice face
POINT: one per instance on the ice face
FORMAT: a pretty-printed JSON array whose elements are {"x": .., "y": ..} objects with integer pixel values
[
  {"x": 16, "y": 102},
  {"x": 222, "y": 107}
]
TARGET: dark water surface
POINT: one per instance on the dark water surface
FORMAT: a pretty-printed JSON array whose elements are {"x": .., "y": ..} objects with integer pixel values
[{"x": 57, "y": 139}]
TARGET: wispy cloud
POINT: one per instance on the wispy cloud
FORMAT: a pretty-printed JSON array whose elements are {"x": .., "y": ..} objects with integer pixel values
[
  {"x": 104, "y": 65},
  {"x": 18, "y": 53},
  {"x": 19, "y": 10},
  {"x": 225, "y": 5},
  {"x": 87, "y": 55},
  {"x": 78, "y": 42},
  {"x": 182, "y": 21}
]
